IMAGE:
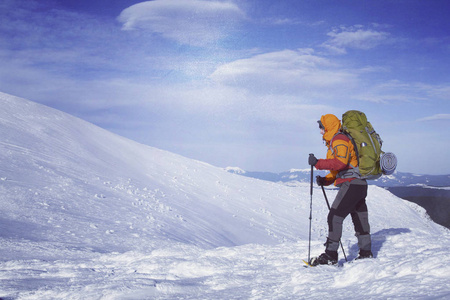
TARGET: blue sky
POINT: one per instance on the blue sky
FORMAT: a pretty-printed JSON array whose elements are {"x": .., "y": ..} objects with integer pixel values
[{"x": 238, "y": 83}]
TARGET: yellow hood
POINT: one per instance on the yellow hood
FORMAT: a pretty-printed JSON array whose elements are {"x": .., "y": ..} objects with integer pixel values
[{"x": 332, "y": 126}]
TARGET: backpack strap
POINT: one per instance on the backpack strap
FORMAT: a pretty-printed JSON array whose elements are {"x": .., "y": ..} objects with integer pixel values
[
  {"x": 350, "y": 138},
  {"x": 330, "y": 146},
  {"x": 351, "y": 172}
]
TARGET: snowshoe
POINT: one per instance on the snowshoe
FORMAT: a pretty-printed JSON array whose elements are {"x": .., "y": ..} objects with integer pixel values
[{"x": 327, "y": 258}]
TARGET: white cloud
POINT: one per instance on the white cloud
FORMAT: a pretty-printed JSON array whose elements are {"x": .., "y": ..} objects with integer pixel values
[
  {"x": 286, "y": 71},
  {"x": 192, "y": 22},
  {"x": 282, "y": 21},
  {"x": 354, "y": 37},
  {"x": 437, "y": 117}
]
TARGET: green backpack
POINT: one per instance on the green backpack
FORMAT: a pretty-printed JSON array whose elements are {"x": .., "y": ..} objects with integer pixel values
[{"x": 367, "y": 144}]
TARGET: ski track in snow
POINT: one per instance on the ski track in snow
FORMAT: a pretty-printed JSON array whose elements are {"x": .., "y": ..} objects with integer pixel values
[{"x": 86, "y": 214}]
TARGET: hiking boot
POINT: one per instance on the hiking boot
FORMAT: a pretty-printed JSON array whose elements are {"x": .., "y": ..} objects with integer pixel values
[
  {"x": 327, "y": 258},
  {"x": 364, "y": 254}
]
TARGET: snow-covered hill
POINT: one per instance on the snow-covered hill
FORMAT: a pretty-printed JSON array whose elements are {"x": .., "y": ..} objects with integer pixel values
[{"x": 86, "y": 214}]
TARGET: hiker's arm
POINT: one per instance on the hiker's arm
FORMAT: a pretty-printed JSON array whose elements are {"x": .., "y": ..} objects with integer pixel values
[{"x": 338, "y": 160}]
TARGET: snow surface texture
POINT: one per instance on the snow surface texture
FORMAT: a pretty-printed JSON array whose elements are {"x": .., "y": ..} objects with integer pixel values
[{"x": 86, "y": 214}]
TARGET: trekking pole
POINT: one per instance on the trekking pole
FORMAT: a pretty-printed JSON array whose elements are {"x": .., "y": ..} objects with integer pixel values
[
  {"x": 329, "y": 208},
  {"x": 310, "y": 212}
]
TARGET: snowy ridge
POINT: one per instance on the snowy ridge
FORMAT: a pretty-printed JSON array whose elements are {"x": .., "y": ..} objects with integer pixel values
[{"x": 87, "y": 214}]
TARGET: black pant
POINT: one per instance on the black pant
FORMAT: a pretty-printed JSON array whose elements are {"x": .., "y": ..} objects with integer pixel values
[{"x": 351, "y": 199}]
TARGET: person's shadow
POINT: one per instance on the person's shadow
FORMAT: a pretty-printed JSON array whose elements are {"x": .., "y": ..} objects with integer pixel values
[{"x": 378, "y": 240}]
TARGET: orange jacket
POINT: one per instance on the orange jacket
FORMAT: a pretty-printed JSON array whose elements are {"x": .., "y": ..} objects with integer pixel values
[{"x": 341, "y": 153}]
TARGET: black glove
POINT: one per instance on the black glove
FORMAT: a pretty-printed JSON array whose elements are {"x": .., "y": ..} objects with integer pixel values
[
  {"x": 312, "y": 160},
  {"x": 321, "y": 181}
]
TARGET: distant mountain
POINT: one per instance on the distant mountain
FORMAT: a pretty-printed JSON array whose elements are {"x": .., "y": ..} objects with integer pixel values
[{"x": 304, "y": 175}]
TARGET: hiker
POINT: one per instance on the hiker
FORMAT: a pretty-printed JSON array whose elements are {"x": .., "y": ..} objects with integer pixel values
[{"x": 351, "y": 198}]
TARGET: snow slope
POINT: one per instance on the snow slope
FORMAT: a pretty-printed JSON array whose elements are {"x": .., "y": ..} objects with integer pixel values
[{"x": 86, "y": 214}]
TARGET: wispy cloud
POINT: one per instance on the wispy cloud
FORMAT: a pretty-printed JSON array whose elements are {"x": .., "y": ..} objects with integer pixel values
[
  {"x": 407, "y": 92},
  {"x": 282, "y": 21},
  {"x": 194, "y": 22},
  {"x": 437, "y": 117},
  {"x": 354, "y": 37}
]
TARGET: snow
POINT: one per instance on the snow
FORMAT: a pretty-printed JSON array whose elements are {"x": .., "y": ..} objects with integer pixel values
[
  {"x": 299, "y": 170},
  {"x": 235, "y": 170},
  {"x": 87, "y": 214},
  {"x": 431, "y": 187}
]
